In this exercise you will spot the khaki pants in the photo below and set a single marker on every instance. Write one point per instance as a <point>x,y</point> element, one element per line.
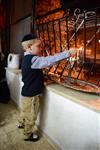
<point>29,112</point>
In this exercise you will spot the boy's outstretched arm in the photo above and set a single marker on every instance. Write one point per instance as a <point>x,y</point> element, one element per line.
<point>43,62</point>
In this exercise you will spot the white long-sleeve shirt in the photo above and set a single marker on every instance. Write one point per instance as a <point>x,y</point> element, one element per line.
<point>39,62</point>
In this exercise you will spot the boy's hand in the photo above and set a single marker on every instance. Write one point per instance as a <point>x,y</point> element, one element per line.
<point>73,52</point>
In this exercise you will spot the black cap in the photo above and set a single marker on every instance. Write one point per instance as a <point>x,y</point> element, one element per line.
<point>28,37</point>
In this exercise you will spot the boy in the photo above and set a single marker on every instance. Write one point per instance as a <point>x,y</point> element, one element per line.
<point>32,78</point>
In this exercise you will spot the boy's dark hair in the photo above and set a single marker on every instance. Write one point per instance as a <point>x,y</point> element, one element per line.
<point>28,37</point>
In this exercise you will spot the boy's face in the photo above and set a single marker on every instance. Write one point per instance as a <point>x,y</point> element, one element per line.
<point>36,47</point>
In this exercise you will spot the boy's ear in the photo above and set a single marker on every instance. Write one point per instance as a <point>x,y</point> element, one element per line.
<point>29,46</point>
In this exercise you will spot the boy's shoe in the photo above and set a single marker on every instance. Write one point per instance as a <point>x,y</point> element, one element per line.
<point>20,126</point>
<point>33,137</point>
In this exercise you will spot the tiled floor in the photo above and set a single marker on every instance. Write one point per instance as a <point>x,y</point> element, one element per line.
<point>11,138</point>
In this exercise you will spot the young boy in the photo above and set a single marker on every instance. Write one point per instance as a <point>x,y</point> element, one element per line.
<point>32,78</point>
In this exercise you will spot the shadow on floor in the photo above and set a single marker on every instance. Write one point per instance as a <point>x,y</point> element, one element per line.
<point>11,138</point>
